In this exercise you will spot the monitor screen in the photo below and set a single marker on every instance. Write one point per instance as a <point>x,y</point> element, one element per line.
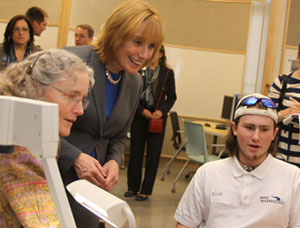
<point>229,105</point>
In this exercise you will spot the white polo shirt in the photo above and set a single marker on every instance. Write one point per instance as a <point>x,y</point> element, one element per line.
<point>222,194</point>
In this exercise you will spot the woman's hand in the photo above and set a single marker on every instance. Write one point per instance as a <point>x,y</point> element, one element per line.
<point>89,168</point>
<point>111,169</point>
<point>157,114</point>
<point>295,109</point>
<point>147,114</point>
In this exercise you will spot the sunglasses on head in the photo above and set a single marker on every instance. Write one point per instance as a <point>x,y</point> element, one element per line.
<point>250,101</point>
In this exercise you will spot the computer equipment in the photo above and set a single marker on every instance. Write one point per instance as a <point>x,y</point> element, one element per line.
<point>221,126</point>
<point>229,106</point>
<point>207,125</point>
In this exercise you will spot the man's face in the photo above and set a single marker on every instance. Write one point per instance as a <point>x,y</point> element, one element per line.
<point>82,37</point>
<point>39,27</point>
<point>254,136</point>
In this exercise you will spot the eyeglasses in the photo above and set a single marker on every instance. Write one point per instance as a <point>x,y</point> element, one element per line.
<point>81,36</point>
<point>21,29</point>
<point>73,99</point>
<point>250,101</point>
<point>30,67</point>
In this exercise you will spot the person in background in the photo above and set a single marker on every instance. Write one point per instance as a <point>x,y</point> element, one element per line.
<point>154,79</point>
<point>288,146</point>
<point>129,40</point>
<point>84,34</point>
<point>224,193</point>
<point>18,41</point>
<point>38,18</point>
<point>55,76</point>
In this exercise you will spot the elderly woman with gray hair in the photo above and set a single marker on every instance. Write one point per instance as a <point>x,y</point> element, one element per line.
<point>55,76</point>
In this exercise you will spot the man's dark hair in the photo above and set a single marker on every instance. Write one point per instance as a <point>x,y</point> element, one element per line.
<point>88,27</point>
<point>36,14</point>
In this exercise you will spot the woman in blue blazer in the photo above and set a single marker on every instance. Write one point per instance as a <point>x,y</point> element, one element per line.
<point>129,39</point>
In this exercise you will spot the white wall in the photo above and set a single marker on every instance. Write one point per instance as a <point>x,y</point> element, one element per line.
<point>290,54</point>
<point>203,78</point>
<point>48,38</point>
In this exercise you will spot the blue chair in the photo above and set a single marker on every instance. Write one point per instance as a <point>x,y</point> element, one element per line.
<point>196,149</point>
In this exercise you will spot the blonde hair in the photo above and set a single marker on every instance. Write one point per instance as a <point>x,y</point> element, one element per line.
<point>123,23</point>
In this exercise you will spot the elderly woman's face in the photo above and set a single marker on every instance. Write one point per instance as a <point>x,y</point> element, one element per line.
<point>133,54</point>
<point>68,94</point>
<point>21,34</point>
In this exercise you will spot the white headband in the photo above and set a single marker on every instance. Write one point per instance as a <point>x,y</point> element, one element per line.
<point>245,110</point>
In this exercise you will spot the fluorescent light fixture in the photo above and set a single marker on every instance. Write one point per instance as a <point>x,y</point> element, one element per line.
<point>106,206</point>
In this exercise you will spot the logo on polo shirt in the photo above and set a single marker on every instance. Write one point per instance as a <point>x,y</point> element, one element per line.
<point>216,193</point>
<point>271,199</point>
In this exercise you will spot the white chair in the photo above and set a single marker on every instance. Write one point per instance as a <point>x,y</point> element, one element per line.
<point>196,148</point>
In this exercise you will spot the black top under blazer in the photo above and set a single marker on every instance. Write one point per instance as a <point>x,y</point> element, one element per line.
<point>168,97</point>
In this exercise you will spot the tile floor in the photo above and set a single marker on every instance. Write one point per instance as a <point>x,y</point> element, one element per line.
<point>158,210</point>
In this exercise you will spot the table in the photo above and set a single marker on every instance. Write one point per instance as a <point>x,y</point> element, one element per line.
<point>211,130</point>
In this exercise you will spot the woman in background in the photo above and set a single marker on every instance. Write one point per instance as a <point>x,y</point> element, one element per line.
<point>154,79</point>
<point>18,41</point>
<point>55,76</point>
<point>128,41</point>
<point>288,145</point>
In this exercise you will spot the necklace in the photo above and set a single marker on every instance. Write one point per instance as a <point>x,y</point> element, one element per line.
<point>248,168</point>
<point>110,79</point>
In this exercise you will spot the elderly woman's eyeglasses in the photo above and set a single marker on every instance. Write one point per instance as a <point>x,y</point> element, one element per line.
<point>73,99</point>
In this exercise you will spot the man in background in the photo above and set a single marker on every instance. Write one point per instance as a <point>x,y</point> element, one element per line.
<point>38,18</point>
<point>84,34</point>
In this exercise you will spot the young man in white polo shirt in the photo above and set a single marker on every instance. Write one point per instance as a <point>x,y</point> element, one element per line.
<point>251,188</point>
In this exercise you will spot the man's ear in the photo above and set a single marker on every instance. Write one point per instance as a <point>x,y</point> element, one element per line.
<point>233,125</point>
<point>275,133</point>
<point>35,23</point>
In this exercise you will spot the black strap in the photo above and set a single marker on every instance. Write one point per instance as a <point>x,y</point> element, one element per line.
<point>282,94</point>
<point>162,89</point>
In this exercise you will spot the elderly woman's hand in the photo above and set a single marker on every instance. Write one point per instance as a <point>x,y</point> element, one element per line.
<point>90,169</point>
